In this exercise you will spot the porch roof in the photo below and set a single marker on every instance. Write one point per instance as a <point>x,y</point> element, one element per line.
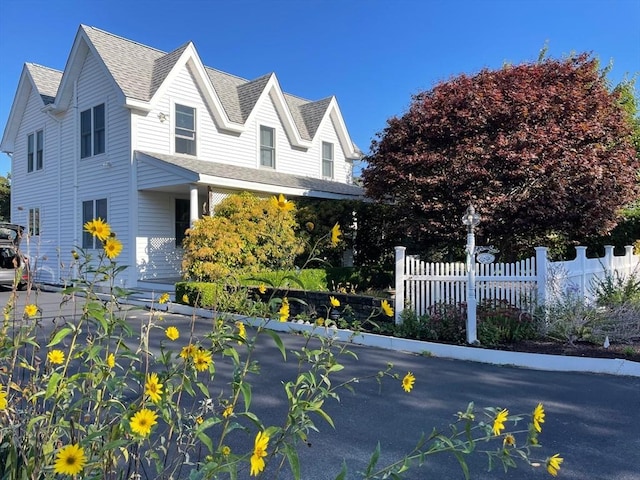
<point>181,170</point>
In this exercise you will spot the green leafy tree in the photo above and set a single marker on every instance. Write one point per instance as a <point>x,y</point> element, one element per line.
<point>543,150</point>
<point>5,198</point>
<point>246,234</point>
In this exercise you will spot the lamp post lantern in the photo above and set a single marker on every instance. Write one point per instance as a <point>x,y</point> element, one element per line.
<point>471,219</point>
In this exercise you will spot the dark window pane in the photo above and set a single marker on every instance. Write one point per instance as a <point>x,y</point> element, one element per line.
<point>101,209</point>
<point>98,129</point>
<point>85,134</point>
<point>87,216</point>
<point>30,153</point>
<point>39,150</point>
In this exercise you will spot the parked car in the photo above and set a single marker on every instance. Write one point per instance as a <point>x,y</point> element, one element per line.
<point>14,266</point>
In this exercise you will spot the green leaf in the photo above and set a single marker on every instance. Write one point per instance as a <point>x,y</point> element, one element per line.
<point>375,456</point>
<point>52,385</point>
<point>292,457</point>
<point>245,388</point>
<point>58,337</point>
<point>279,344</point>
<point>204,438</point>
<point>343,471</point>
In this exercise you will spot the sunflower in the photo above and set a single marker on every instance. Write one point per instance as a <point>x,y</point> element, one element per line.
<point>259,452</point>
<point>228,411</point>
<point>112,247</point>
<point>335,235</point>
<point>56,357</point>
<point>31,310</point>
<point>188,351</point>
<point>408,381</point>
<point>334,301</point>
<point>538,417</point>
<point>202,360</point>
<point>553,464</point>
<point>3,399</point>
<point>498,422</point>
<point>164,298</point>
<point>282,203</point>
<point>262,288</point>
<point>386,308</point>
<point>98,228</point>
<point>70,460</point>
<point>153,388</point>
<point>283,313</point>
<point>242,332</point>
<point>142,422</point>
<point>111,360</point>
<point>172,333</point>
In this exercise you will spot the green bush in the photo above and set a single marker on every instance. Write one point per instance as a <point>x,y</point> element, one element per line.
<point>500,322</point>
<point>220,297</point>
<point>362,278</point>
<point>314,279</point>
<point>443,323</point>
<point>246,234</point>
<point>614,289</point>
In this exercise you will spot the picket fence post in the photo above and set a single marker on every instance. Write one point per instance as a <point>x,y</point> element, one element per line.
<point>400,268</point>
<point>541,274</point>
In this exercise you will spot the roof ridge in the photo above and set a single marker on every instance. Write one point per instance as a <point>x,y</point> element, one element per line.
<point>227,73</point>
<point>123,38</point>
<point>44,66</point>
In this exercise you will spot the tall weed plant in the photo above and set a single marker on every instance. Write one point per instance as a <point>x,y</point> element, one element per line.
<point>94,397</point>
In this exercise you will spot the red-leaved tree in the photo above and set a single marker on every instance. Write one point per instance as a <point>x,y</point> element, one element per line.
<point>542,150</point>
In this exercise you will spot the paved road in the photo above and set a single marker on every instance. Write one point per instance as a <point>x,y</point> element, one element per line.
<point>592,420</point>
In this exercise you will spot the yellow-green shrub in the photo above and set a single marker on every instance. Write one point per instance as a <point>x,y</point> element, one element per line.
<point>246,234</point>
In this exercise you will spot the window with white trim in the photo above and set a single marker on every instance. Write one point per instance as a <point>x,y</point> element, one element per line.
<point>327,160</point>
<point>92,131</point>
<point>92,209</point>
<point>267,147</point>
<point>34,221</point>
<point>185,130</point>
<point>35,151</point>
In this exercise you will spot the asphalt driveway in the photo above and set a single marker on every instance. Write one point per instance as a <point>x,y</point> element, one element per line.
<point>593,420</point>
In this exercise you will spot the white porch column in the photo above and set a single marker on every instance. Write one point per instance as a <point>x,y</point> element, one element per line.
<point>193,205</point>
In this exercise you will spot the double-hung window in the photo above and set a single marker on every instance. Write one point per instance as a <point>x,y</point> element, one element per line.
<point>185,130</point>
<point>267,147</point>
<point>327,160</point>
<point>92,209</point>
<point>34,221</point>
<point>92,131</point>
<point>35,151</point>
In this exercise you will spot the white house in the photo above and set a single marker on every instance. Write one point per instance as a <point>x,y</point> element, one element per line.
<point>150,141</point>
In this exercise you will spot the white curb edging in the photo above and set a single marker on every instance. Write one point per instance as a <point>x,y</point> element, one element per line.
<point>536,361</point>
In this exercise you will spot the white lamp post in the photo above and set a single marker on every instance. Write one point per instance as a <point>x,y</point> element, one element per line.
<point>471,219</point>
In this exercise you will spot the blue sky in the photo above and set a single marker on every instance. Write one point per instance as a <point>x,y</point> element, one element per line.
<point>372,54</point>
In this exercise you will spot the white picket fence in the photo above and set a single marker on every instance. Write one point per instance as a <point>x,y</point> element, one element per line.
<point>523,284</point>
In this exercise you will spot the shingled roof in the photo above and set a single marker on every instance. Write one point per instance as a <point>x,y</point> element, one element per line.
<point>140,70</point>
<point>256,176</point>
<point>46,80</point>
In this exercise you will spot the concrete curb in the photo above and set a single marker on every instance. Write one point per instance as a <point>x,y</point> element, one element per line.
<point>535,361</point>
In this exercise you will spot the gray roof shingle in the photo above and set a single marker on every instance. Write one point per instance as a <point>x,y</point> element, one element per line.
<point>139,70</point>
<point>46,80</point>
<point>267,177</point>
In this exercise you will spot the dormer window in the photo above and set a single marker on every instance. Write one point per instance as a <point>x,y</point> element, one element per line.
<point>185,130</point>
<point>267,147</point>
<point>327,160</point>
